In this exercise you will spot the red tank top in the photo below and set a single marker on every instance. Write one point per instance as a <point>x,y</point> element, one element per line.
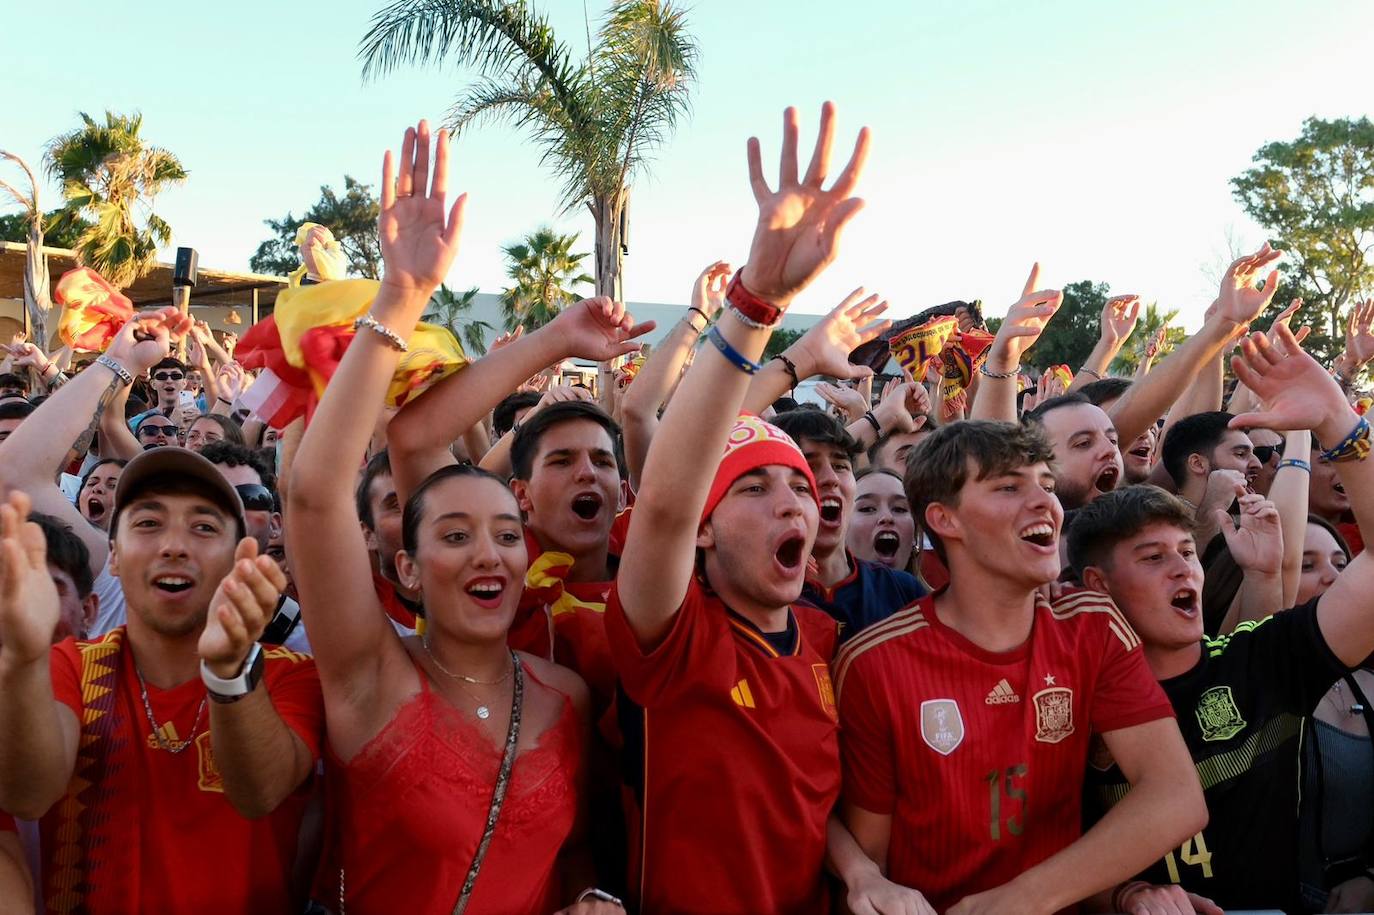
<point>409,810</point>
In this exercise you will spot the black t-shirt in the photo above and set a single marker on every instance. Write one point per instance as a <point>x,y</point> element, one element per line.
<point>1241,711</point>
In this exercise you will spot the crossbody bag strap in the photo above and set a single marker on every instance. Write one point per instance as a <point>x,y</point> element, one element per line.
<point>498,796</point>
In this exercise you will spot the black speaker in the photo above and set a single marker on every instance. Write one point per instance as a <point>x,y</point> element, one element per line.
<point>185,272</point>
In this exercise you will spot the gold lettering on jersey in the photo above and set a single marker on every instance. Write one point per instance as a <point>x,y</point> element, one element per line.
<point>1218,715</point>
<point>209,777</point>
<point>826,689</point>
<point>1053,714</point>
<point>942,727</point>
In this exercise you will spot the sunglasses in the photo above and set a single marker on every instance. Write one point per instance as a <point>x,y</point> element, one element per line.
<point>256,497</point>
<point>1264,452</point>
<point>168,376</point>
<point>148,430</point>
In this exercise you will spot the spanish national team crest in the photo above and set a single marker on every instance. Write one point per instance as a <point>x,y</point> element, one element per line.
<point>1053,714</point>
<point>942,728</point>
<point>1217,714</point>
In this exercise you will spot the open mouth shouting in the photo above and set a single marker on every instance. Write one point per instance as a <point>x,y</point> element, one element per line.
<point>886,544</point>
<point>1107,478</point>
<point>1187,602</point>
<point>587,505</point>
<point>487,591</point>
<point>1040,535</point>
<point>831,510</point>
<point>790,555</point>
<point>172,584</point>
<point>95,510</point>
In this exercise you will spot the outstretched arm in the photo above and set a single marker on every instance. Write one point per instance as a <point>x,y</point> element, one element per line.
<point>795,239</point>
<point>356,650</point>
<point>1295,392</point>
<point>643,399</point>
<point>419,436</point>
<point>1022,326</point>
<point>1239,303</point>
<point>38,734</point>
<point>60,431</point>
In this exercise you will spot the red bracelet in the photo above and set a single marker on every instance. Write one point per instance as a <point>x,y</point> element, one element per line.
<point>753,308</point>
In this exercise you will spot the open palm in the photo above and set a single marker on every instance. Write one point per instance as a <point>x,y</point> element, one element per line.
<point>1240,300</point>
<point>600,329</point>
<point>825,348</point>
<point>1294,391</point>
<point>419,238</point>
<point>1024,323</point>
<point>799,223</point>
<point>29,608</point>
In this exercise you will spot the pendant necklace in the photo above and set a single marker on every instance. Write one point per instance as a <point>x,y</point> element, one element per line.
<point>483,712</point>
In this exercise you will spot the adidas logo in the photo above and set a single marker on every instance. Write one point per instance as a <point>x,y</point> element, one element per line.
<point>1002,694</point>
<point>742,695</point>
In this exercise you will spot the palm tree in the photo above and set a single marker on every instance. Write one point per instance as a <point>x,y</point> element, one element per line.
<point>111,176</point>
<point>1145,329</point>
<point>542,267</point>
<point>596,121</point>
<point>448,308</point>
<point>37,298</point>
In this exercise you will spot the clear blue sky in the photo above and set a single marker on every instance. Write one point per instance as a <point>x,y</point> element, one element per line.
<point>1095,137</point>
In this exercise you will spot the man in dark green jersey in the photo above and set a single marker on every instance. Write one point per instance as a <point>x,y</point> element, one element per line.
<point>1240,699</point>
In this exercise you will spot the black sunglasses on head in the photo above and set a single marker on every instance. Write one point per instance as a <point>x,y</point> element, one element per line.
<point>148,430</point>
<point>168,376</point>
<point>256,497</point>
<point>1264,452</point>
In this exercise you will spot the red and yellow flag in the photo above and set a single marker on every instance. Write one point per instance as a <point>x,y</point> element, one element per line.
<point>93,311</point>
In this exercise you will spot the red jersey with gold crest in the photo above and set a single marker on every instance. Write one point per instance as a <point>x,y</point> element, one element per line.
<point>732,756</point>
<point>979,756</point>
<point>141,829</point>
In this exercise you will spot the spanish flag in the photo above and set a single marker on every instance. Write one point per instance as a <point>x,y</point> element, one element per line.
<point>93,311</point>
<point>301,345</point>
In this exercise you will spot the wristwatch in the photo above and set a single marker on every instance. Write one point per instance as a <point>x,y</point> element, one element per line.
<point>227,691</point>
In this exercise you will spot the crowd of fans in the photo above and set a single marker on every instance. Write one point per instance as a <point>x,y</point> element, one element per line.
<point>1029,644</point>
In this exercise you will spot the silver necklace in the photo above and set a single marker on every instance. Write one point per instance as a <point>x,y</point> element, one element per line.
<point>171,746</point>
<point>483,711</point>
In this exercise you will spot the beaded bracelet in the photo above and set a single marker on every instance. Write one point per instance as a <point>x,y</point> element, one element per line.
<point>393,339</point>
<point>737,359</point>
<point>1354,447</point>
<point>1294,462</point>
<point>984,370</point>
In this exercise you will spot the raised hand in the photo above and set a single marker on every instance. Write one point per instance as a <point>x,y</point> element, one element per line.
<point>1257,545</point>
<point>240,610</point>
<point>1118,318</point>
<point>232,381</point>
<point>1294,391</point>
<point>1156,342</point>
<point>599,329</point>
<point>506,339</point>
<point>28,355</point>
<point>1359,335</point>
<point>708,292</point>
<point>847,400</point>
<point>1240,301</point>
<point>902,406</point>
<point>147,338</point>
<point>1024,323</point>
<point>800,223</point>
<point>419,239</point>
<point>29,607</point>
<point>825,348</point>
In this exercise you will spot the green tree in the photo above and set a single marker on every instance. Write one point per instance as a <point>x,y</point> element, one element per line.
<point>1151,320</point>
<point>28,228</point>
<point>1315,194</point>
<point>597,121</point>
<point>352,217</point>
<point>453,310</point>
<point>542,267</point>
<point>15,227</point>
<point>110,177</point>
<point>1073,331</point>
<point>782,338</point>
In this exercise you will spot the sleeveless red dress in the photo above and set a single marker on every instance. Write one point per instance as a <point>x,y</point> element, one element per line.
<point>409,810</point>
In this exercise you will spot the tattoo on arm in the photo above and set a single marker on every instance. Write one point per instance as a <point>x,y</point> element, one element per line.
<point>83,441</point>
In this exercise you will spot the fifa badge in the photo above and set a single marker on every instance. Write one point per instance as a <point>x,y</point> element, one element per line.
<point>942,728</point>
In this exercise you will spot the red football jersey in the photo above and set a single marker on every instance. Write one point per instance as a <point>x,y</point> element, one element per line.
<point>733,747</point>
<point>144,830</point>
<point>979,756</point>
